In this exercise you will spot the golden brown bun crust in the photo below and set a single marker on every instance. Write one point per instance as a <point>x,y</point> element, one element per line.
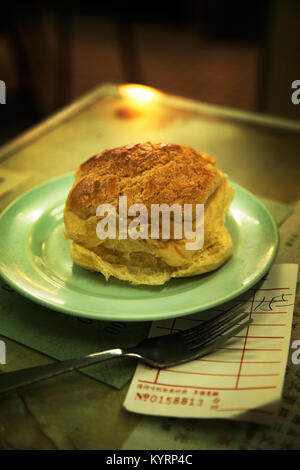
<point>146,173</point>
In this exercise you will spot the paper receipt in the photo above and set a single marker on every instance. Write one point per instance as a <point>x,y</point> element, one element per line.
<point>242,379</point>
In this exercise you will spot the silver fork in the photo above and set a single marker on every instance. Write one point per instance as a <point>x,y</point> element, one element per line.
<point>162,351</point>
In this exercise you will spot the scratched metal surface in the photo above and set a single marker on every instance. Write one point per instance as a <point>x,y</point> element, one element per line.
<point>261,153</point>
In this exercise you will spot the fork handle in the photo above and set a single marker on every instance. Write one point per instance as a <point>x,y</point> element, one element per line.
<point>16,379</point>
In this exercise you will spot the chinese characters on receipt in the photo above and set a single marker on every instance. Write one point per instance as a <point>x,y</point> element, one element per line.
<point>243,379</point>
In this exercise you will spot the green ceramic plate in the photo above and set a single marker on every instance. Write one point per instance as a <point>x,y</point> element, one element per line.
<point>35,260</point>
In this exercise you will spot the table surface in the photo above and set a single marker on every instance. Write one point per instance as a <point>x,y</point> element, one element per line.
<point>258,152</point>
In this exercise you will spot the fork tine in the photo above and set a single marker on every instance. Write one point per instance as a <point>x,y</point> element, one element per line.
<point>213,323</point>
<point>210,346</point>
<point>203,340</point>
<point>228,311</point>
<point>219,328</point>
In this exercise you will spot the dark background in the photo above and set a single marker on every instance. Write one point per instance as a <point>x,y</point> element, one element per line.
<point>242,54</point>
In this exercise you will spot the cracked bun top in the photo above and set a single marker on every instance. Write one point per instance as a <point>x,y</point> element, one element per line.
<point>146,173</point>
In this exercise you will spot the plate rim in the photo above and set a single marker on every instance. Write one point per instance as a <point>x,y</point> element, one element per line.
<point>153,317</point>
